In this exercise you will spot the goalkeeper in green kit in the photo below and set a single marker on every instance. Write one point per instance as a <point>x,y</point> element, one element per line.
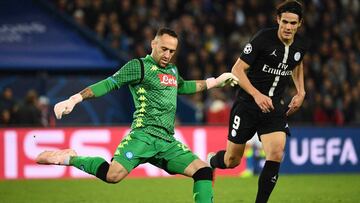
<point>154,84</point>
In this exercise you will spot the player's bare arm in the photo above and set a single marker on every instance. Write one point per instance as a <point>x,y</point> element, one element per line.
<point>263,101</point>
<point>297,100</point>
<point>298,78</point>
<point>87,93</point>
<point>200,85</point>
<point>221,81</point>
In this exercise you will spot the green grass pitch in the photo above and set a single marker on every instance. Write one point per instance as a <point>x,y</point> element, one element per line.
<point>337,188</point>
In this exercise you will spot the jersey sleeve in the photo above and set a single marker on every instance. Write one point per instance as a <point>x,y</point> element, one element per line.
<point>103,87</point>
<point>186,86</point>
<point>130,73</point>
<point>252,49</point>
<point>180,81</point>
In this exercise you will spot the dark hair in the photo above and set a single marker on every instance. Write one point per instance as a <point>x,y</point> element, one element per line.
<point>291,6</point>
<point>168,31</point>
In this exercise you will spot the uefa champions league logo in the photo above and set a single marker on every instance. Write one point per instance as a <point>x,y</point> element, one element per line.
<point>248,48</point>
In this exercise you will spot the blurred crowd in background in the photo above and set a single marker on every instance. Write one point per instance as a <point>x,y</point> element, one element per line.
<point>33,110</point>
<point>212,35</point>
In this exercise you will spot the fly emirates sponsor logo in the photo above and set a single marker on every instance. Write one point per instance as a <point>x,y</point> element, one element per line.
<point>280,70</point>
<point>168,80</point>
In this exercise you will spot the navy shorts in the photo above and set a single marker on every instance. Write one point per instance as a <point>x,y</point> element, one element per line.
<point>246,119</point>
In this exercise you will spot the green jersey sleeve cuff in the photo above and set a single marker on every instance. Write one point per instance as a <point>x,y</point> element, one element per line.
<point>188,87</point>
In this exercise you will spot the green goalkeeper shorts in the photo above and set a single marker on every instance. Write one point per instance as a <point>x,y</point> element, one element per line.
<point>139,147</point>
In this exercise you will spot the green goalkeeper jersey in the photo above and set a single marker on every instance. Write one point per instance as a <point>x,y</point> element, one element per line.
<point>154,94</point>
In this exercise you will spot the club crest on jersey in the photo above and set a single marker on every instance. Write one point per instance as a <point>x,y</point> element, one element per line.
<point>168,80</point>
<point>129,155</point>
<point>297,56</point>
<point>247,48</point>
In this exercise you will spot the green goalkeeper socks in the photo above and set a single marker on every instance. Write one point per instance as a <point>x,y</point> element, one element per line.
<point>203,191</point>
<point>88,164</point>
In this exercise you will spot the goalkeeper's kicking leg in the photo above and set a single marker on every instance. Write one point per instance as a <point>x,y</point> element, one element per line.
<point>97,166</point>
<point>174,158</point>
<point>115,172</point>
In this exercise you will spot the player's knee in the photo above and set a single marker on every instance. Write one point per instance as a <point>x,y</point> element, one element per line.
<point>204,173</point>
<point>232,161</point>
<point>107,175</point>
<point>275,155</point>
<point>115,177</point>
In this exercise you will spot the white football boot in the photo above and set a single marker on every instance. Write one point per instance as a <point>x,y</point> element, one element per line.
<point>60,157</point>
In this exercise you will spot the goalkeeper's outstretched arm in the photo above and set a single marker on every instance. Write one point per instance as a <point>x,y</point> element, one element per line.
<point>192,86</point>
<point>96,90</point>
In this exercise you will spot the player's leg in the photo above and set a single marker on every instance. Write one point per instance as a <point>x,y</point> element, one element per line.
<point>176,158</point>
<point>97,166</point>
<point>68,157</point>
<point>274,145</point>
<point>127,156</point>
<point>203,176</point>
<point>241,129</point>
<point>229,158</point>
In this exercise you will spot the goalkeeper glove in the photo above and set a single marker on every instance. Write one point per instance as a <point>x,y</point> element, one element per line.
<point>66,106</point>
<point>221,81</point>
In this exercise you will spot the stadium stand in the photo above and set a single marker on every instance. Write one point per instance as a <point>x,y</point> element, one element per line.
<point>212,35</point>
